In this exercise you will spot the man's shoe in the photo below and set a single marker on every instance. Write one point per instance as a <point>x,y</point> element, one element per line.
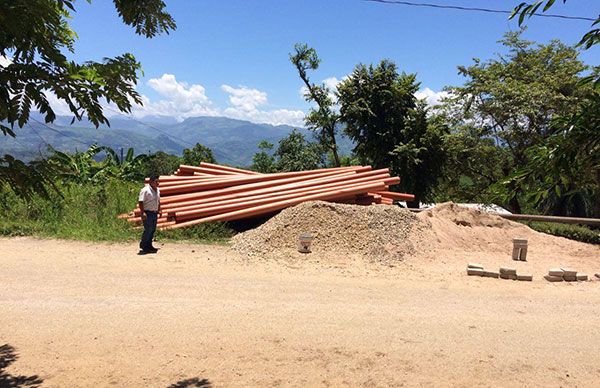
<point>154,248</point>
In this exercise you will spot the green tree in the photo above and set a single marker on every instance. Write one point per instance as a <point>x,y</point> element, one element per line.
<point>324,119</point>
<point>160,163</point>
<point>563,174</point>
<point>390,127</point>
<point>35,36</point>
<point>295,153</point>
<point>197,154</point>
<point>513,99</point>
<point>263,161</point>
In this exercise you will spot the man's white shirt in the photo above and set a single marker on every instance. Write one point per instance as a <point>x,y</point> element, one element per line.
<point>150,198</point>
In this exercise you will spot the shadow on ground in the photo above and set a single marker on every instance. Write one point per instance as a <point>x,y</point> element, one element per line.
<point>8,355</point>
<point>193,382</point>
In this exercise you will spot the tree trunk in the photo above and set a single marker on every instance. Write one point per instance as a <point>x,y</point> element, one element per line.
<point>333,147</point>
<point>514,205</point>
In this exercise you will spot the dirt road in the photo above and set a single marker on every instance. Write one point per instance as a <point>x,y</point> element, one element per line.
<point>80,314</point>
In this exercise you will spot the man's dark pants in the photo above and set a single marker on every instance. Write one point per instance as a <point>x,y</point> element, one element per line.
<point>149,229</point>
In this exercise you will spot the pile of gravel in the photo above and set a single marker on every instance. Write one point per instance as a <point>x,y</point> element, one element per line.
<point>378,233</point>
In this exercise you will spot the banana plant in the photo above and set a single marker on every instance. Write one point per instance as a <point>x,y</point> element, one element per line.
<point>128,168</point>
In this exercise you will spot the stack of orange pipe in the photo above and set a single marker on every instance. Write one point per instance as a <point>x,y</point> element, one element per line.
<point>211,192</point>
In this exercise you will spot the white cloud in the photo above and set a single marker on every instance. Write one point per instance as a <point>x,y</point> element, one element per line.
<point>432,98</point>
<point>244,106</point>
<point>332,82</point>
<point>181,100</point>
<point>245,99</point>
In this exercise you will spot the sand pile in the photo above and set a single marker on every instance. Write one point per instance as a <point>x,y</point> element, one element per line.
<point>384,233</point>
<point>375,232</point>
<point>450,226</point>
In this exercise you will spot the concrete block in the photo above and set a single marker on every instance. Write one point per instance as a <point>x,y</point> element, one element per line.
<point>508,271</point>
<point>582,277</point>
<point>551,278</point>
<point>525,277</point>
<point>570,278</point>
<point>508,276</point>
<point>491,274</point>
<point>556,272</point>
<point>475,265</point>
<point>568,271</point>
<point>475,271</point>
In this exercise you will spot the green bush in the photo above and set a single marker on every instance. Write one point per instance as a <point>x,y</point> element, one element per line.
<point>88,212</point>
<point>572,232</point>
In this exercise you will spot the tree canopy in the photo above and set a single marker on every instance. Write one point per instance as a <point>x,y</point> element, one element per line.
<point>198,153</point>
<point>390,127</point>
<point>509,123</point>
<point>323,119</point>
<point>35,36</point>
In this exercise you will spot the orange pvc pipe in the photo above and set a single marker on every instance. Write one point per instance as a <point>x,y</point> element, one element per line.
<point>220,208</point>
<point>216,178</point>
<point>243,184</point>
<point>271,207</point>
<point>206,170</point>
<point>274,180</point>
<point>221,194</point>
<point>398,196</point>
<point>192,198</point>
<point>227,168</point>
<point>245,196</point>
<point>168,205</point>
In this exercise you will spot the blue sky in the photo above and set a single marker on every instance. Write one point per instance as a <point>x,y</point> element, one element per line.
<point>230,57</point>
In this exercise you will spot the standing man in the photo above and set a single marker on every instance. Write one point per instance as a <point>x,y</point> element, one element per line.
<point>149,203</point>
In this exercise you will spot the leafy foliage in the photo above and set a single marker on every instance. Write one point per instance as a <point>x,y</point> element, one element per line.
<point>26,179</point>
<point>527,10</point>
<point>128,168</point>
<point>160,163</point>
<point>197,154</point>
<point>589,39</point>
<point>512,100</point>
<point>563,173</point>
<point>295,153</point>
<point>35,35</point>
<point>324,119</point>
<point>390,127</point>
<point>88,211</point>
<point>573,232</point>
<point>86,166</point>
<point>263,161</point>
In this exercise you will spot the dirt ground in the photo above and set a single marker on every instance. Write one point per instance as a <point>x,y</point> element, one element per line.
<point>76,314</point>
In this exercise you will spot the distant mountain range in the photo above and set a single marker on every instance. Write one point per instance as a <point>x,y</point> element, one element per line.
<point>233,142</point>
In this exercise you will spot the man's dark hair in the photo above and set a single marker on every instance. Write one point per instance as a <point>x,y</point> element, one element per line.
<point>154,177</point>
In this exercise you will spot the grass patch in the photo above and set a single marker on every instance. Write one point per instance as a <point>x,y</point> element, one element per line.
<point>89,212</point>
<point>572,232</point>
